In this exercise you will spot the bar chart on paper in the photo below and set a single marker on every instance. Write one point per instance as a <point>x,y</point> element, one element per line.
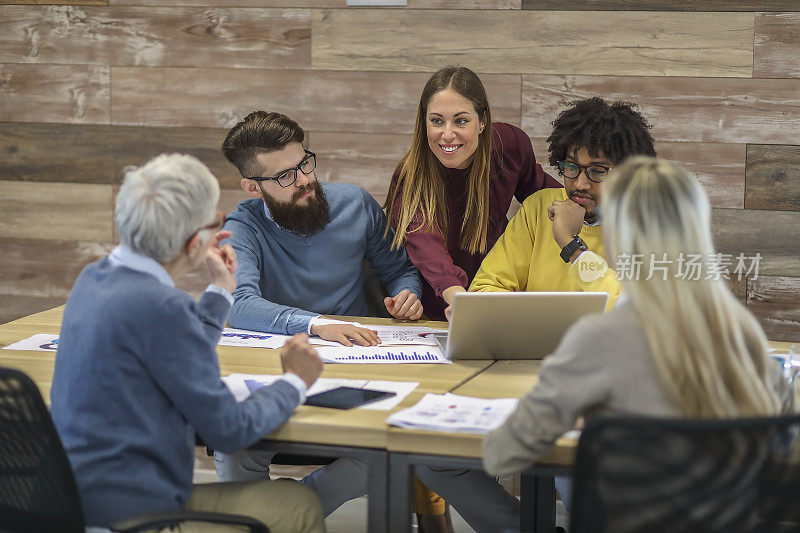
<point>382,354</point>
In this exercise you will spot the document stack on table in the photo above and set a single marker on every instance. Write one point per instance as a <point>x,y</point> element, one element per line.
<point>241,385</point>
<point>454,413</point>
<point>399,345</point>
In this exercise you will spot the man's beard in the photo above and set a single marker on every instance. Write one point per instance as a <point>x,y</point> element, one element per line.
<point>305,220</point>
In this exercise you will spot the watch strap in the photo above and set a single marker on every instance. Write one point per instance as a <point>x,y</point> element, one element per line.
<point>573,246</point>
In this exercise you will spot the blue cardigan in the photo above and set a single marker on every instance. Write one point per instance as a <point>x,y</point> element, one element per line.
<point>136,375</point>
<point>284,279</point>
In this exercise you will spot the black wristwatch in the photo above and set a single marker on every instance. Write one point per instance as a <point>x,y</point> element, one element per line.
<point>573,246</point>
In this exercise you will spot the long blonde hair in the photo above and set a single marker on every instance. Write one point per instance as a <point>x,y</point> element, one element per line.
<point>710,352</point>
<point>420,176</point>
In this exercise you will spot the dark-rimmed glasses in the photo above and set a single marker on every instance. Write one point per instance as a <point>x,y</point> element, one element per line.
<point>288,177</point>
<point>595,173</point>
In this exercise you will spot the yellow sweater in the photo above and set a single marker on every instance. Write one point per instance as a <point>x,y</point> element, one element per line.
<point>526,257</point>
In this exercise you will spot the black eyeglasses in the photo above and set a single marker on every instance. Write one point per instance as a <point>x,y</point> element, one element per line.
<point>288,177</point>
<point>595,173</point>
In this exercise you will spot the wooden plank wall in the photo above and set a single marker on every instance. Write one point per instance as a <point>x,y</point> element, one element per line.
<point>89,86</point>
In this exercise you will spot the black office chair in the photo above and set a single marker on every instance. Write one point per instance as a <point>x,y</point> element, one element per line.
<point>38,493</point>
<point>649,475</point>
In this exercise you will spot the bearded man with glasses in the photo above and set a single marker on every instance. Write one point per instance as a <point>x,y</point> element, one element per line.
<point>301,244</point>
<point>555,241</point>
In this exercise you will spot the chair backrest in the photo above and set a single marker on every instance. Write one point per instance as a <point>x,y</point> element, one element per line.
<point>38,492</point>
<point>637,475</point>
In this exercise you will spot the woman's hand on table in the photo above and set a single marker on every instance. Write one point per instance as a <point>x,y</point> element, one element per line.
<point>448,294</point>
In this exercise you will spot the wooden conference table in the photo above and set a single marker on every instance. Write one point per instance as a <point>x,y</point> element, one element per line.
<point>390,452</point>
<point>363,434</point>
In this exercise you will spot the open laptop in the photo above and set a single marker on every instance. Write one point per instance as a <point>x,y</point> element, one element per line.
<point>515,325</point>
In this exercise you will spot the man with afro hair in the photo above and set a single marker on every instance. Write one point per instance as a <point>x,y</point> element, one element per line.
<point>555,241</point>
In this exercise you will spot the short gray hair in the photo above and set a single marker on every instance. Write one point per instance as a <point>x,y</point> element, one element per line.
<point>163,203</point>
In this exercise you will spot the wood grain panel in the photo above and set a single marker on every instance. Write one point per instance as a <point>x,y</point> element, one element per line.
<point>55,211</point>
<point>626,43</point>
<point>773,177</point>
<point>318,100</point>
<point>96,153</point>
<point>174,36</point>
<point>774,301</point>
<point>735,111</point>
<point>237,3</point>
<point>54,93</point>
<point>719,167</point>
<point>14,307</point>
<point>56,2</point>
<point>413,4</point>
<point>468,4</point>
<point>44,269</point>
<point>230,198</point>
<point>777,45</point>
<point>663,5</point>
<point>738,286</point>
<point>769,233</point>
<point>367,160</point>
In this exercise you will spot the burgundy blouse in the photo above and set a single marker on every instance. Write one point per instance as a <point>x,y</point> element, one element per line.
<point>514,172</point>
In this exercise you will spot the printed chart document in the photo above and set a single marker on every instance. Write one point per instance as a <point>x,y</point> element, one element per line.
<point>394,335</point>
<point>389,335</point>
<point>382,354</point>
<point>41,342</point>
<point>251,339</point>
<point>242,384</point>
<point>454,413</point>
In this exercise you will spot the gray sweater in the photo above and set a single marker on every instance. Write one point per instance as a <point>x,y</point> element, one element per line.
<point>602,366</point>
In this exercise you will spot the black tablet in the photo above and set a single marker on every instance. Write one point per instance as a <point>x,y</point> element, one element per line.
<point>346,397</point>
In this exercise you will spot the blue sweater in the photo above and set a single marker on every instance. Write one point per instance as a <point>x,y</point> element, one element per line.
<point>284,279</point>
<point>136,375</point>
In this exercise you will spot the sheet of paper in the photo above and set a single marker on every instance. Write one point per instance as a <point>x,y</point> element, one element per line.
<point>241,384</point>
<point>454,413</point>
<point>251,339</point>
<point>399,335</point>
<point>41,342</point>
<point>394,335</point>
<point>382,354</point>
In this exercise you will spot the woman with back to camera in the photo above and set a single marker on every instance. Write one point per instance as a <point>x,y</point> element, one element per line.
<point>672,347</point>
<point>450,194</point>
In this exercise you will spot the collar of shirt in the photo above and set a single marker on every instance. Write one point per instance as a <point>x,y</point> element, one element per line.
<point>125,257</point>
<point>266,211</point>
<point>595,223</point>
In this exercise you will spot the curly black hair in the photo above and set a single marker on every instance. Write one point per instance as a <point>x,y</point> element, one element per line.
<point>616,129</point>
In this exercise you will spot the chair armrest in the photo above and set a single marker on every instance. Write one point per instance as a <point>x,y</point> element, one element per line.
<point>149,521</point>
